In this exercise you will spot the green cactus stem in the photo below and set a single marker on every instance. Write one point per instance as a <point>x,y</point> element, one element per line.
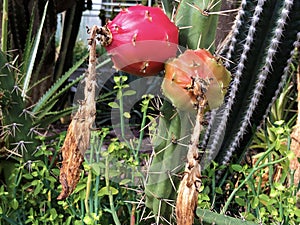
<point>167,160</point>
<point>259,60</point>
<point>16,120</point>
<point>198,29</point>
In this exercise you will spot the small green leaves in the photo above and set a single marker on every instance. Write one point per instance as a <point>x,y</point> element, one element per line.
<point>126,115</point>
<point>240,201</point>
<point>114,105</point>
<point>237,168</point>
<point>107,191</point>
<point>14,204</point>
<point>129,93</point>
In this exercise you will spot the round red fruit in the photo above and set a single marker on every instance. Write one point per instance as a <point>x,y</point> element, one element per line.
<point>140,39</point>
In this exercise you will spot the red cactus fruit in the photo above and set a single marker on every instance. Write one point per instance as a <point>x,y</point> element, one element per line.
<point>190,67</point>
<point>140,39</point>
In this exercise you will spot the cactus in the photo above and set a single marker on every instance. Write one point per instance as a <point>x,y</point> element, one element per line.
<point>258,53</point>
<point>133,37</point>
<point>170,150</point>
<point>259,60</point>
<point>15,131</point>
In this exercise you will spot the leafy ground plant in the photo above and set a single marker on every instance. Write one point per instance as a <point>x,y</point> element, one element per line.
<point>110,186</point>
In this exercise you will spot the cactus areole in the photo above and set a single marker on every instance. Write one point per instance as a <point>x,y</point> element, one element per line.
<point>140,39</point>
<point>192,70</point>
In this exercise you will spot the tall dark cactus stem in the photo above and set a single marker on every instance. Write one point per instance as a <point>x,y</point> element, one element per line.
<point>259,60</point>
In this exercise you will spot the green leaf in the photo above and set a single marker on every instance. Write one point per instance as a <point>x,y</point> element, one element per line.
<point>264,199</point>
<point>88,220</point>
<point>105,191</point>
<point>129,92</point>
<point>33,54</point>
<point>78,222</point>
<point>53,214</point>
<point>114,105</point>
<point>297,212</point>
<point>80,187</point>
<point>241,193</point>
<point>237,168</point>
<point>126,115</point>
<point>274,193</point>
<point>114,173</point>
<point>34,173</point>
<point>96,168</point>
<point>219,190</point>
<point>209,217</point>
<point>254,202</point>
<point>124,181</point>
<point>240,201</point>
<point>27,176</point>
<point>14,204</point>
<point>58,84</point>
<point>38,188</point>
<point>117,79</point>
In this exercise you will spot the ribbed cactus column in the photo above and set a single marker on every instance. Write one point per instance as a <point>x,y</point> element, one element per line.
<point>259,55</point>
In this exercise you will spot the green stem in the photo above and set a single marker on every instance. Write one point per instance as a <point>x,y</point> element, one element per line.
<point>255,168</point>
<point>97,180</point>
<point>121,114</point>
<point>96,195</point>
<point>110,196</point>
<point>4,26</point>
<point>82,211</point>
<point>142,126</point>
<point>88,191</point>
<point>98,150</point>
<point>142,130</point>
